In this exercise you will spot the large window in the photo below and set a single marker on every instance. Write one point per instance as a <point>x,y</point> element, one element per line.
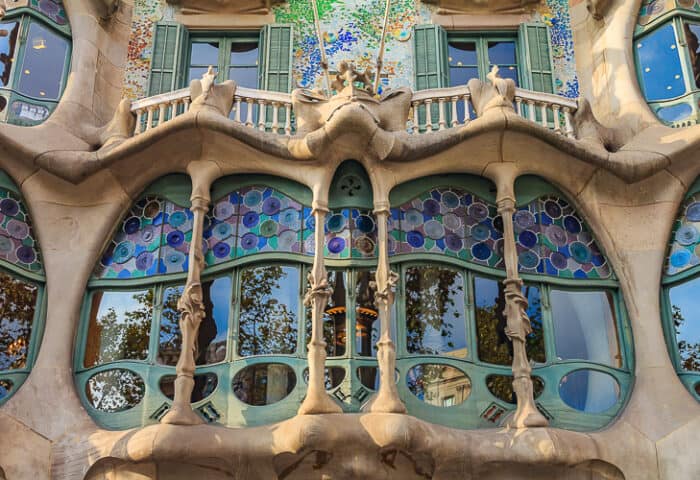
<point>474,56</point>
<point>667,52</point>
<point>680,293</point>
<point>235,57</point>
<point>21,291</point>
<point>35,52</point>
<point>454,354</point>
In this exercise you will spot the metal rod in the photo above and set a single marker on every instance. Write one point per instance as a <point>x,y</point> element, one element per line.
<point>324,60</point>
<point>380,55</point>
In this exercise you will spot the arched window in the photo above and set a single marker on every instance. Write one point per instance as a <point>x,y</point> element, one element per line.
<point>35,52</point>
<point>453,351</point>
<point>681,285</point>
<point>21,290</point>
<point>249,351</point>
<point>667,52</point>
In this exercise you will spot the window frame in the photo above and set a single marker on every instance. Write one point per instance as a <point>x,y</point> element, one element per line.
<point>224,39</point>
<point>482,39</point>
<point>25,16</point>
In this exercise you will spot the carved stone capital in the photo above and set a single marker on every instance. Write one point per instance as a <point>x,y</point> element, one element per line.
<point>598,8</point>
<point>518,323</point>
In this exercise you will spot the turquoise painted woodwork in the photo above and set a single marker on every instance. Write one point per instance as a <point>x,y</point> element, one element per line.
<point>21,102</point>
<point>20,263</point>
<point>352,374</point>
<point>679,282</point>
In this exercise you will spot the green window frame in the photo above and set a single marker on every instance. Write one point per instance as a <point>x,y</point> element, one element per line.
<point>481,40</point>
<point>12,379</point>
<point>482,409</point>
<point>225,42</point>
<point>672,315</point>
<point>19,108</point>
<point>680,110</point>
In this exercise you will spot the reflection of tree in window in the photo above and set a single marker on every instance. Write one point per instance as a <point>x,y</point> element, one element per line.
<point>120,325</point>
<point>114,390</point>
<point>366,320</point>
<point>494,346</point>
<point>268,310</point>
<point>688,351</point>
<point>17,305</point>
<point>8,42</point>
<point>435,320</point>
<point>211,336</point>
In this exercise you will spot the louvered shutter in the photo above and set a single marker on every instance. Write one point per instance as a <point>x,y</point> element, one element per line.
<point>276,58</point>
<point>431,65</point>
<point>537,74</point>
<point>169,47</point>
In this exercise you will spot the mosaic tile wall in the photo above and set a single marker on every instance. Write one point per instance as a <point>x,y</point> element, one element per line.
<point>352,30</point>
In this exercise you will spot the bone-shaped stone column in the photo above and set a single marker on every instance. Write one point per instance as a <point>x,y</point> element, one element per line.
<point>191,304</point>
<point>317,400</point>
<point>518,323</point>
<point>387,399</point>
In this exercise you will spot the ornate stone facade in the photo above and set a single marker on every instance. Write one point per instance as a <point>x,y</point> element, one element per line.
<point>625,173</point>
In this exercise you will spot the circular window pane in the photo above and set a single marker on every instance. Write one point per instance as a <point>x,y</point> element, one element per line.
<point>204,385</point>
<point>6,387</point>
<point>438,385</point>
<point>334,376</point>
<point>115,390</point>
<point>589,391</point>
<point>501,386</point>
<point>369,377</point>
<point>264,383</point>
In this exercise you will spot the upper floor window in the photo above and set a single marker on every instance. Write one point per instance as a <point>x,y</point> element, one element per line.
<point>445,59</point>
<point>253,59</point>
<point>35,53</point>
<point>21,290</point>
<point>667,53</point>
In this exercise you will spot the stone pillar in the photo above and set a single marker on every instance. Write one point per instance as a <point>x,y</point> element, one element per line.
<point>317,400</point>
<point>387,399</point>
<point>191,304</point>
<point>518,323</point>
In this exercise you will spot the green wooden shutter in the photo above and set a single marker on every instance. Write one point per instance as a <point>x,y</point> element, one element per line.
<point>430,53</point>
<point>537,62</point>
<point>167,66</point>
<point>275,69</point>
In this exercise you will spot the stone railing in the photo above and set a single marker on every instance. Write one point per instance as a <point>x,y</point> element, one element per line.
<point>432,110</point>
<point>442,108</point>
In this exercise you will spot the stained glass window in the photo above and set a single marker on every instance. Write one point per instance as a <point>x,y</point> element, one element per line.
<point>448,221</point>
<point>684,252</point>
<point>552,239</point>
<point>18,245</point>
<point>153,239</point>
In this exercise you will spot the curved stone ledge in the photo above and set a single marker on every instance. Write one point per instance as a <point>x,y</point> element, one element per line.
<point>346,446</point>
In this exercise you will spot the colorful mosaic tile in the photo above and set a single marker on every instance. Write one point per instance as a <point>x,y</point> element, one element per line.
<point>450,222</point>
<point>18,244</point>
<point>351,30</point>
<point>685,240</point>
<point>153,239</point>
<point>552,239</point>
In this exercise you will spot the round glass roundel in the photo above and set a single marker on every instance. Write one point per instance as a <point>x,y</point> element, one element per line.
<point>264,383</point>
<point>114,390</point>
<point>589,391</point>
<point>501,387</point>
<point>439,385</point>
<point>204,385</point>
<point>334,376</point>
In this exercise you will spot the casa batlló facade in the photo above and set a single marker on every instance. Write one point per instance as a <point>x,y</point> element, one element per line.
<point>335,239</point>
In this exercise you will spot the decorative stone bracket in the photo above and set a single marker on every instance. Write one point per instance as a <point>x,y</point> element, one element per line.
<point>485,7</point>
<point>212,97</point>
<point>598,8</point>
<point>224,6</point>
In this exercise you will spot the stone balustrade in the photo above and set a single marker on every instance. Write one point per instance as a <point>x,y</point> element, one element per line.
<point>432,110</point>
